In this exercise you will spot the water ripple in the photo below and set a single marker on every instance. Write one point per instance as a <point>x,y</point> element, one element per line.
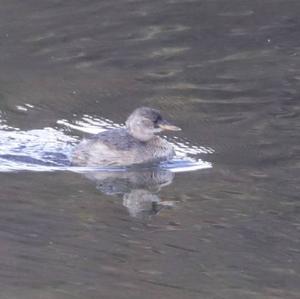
<point>50,149</point>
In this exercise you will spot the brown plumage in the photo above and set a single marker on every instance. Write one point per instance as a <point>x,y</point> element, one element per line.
<point>135,144</point>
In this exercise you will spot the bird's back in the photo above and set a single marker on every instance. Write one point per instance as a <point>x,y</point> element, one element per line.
<point>117,139</point>
<point>118,147</point>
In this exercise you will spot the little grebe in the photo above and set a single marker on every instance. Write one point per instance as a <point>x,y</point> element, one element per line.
<point>134,144</point>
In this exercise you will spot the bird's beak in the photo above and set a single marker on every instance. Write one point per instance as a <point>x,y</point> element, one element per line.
<point>164,125</point>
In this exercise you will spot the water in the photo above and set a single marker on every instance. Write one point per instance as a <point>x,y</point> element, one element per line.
<point>221,220</point>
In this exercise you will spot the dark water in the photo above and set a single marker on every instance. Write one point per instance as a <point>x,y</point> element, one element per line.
<point>227,72</point>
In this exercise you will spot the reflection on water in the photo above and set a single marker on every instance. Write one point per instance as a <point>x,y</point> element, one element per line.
<point>49,149</point>
<point>227,72</point>
<point>138,188</point>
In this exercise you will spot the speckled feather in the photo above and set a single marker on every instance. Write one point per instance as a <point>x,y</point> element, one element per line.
<point>135,144</point>
<point>117,147</point>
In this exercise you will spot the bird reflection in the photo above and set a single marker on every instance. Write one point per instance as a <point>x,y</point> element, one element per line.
<point>138,188</point>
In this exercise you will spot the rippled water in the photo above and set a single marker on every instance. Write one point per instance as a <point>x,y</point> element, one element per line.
<point>50,149</point>
<point>221,220</point>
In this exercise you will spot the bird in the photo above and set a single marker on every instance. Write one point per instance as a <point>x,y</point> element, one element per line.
<point>136,143</point>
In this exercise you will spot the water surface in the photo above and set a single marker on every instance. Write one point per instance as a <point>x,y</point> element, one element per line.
<point>227,73</point>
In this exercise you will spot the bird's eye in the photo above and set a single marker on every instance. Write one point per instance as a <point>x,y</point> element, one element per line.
<point>158,119</point>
